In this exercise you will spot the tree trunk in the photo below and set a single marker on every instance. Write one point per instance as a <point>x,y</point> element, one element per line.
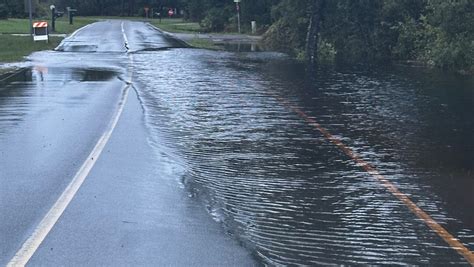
<point>313,31</point>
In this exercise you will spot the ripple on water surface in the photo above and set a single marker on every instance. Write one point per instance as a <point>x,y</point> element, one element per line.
<point>273,181</point>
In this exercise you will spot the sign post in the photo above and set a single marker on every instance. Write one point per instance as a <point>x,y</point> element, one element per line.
<point>30,12</point>
<point>71,12</point>
<point>146,11</point>
<point>237,6</point>
<point>53,17</point>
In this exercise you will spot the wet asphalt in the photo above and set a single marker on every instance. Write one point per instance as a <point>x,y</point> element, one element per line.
<point>128,211</point>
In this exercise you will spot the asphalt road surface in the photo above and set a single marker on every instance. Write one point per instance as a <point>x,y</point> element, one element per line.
<point>52,116</point>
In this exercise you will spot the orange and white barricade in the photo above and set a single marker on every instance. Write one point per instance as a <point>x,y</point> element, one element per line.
<point>40,31</point>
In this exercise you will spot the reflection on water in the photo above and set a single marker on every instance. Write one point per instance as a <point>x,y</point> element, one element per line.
<point>32,89</point>
<point>239,47</point>
<point>287,193</point>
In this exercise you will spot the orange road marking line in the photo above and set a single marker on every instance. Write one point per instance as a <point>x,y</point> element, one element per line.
<point>392,188</point>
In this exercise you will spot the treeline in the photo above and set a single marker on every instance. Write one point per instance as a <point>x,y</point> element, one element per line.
<point>432,32</point>
<point>16,8</point>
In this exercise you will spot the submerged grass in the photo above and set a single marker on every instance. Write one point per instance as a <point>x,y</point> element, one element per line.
<point>204,43</point>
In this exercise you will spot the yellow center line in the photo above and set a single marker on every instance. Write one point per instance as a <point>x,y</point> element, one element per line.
<point>392,188</point>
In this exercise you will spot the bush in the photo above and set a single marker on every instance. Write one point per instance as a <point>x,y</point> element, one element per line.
<point>215,20</point>
<point>282,37</point>
<point>453,53</point>
<point>288,33</point>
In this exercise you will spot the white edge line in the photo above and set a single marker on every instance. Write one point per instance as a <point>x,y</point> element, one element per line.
<point>125,38</point>
<point>30,246</point>
<point>169,34</point>
<point>74,34</point>
<point>78,30</point>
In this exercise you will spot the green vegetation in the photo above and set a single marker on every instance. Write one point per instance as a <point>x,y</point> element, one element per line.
<point>14,48</point>
<point>204,43</point>
<point>177,25</point>
<point>14,26</point>
<point>63,26</point>
<point>9,26</point>
<point>432,32</point>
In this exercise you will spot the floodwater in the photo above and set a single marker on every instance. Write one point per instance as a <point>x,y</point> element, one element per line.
<point>285,192</point>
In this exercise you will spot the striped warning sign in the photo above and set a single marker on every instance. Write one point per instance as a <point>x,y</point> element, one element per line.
<point>40,24</point>
<point>40,31</point>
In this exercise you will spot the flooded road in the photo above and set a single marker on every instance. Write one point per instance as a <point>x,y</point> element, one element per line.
<point>280,187</point>
<point>231,158</point>
<point>80,184</point>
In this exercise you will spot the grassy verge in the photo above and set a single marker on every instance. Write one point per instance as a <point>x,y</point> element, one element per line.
<point>177,25</point>
<point>62,25</point>
<point>204,43</point>
<point>10,26</point>
<point>14,48</point>
<point>181,26</point>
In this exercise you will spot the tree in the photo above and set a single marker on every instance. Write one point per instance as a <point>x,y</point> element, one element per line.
<point>313,30</point>
<point>3,11</point>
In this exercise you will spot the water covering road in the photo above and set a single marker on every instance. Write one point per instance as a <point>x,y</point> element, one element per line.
<point>286,191</point>
<point>219,125</point>
<point>127,212</point>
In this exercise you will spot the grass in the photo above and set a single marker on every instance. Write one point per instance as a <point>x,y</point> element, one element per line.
<point>14,48</point>
<point>204,43</point>
<point>62,25</point>
<point>177,25</point>
<point>14,26</point>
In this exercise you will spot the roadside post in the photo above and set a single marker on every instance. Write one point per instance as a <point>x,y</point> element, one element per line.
<point>237,6</point>
<point>30,14</point>
<point>146,11</point>
<point>40,31</point>
<point>159,16</point>
<point>254,27</point>
<point>70,13</point>
<point>54,16</point>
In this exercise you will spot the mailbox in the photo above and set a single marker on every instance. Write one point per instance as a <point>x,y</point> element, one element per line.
<point>71,12</point>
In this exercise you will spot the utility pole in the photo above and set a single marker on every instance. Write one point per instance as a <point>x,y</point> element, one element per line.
<point>30,11</point>
<point>237,5</point>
